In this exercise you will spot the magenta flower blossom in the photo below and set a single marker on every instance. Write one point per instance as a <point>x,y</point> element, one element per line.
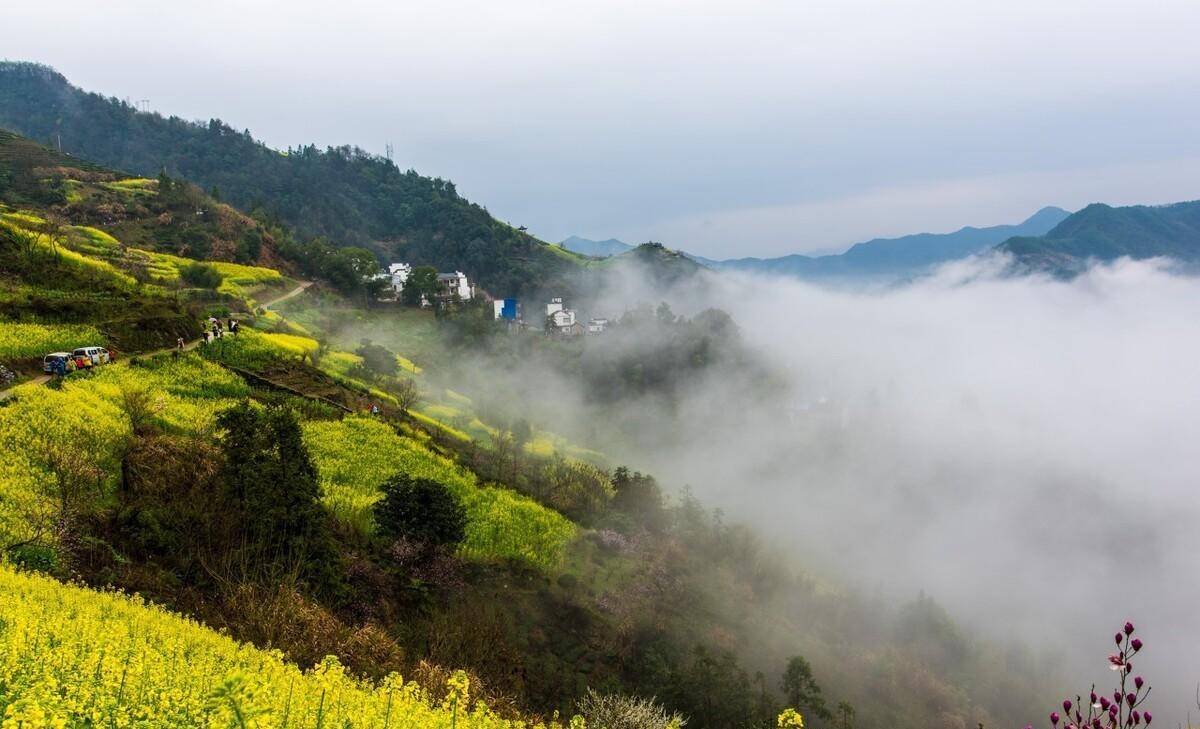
<point>1136,643</point>
<point>1128,628</point>
<point>1147,717</point>
<point>1137,681</point>
<point>1118,638</point>
<point>1054,718</point>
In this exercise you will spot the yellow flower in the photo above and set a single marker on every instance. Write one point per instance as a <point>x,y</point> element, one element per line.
<point>790,718</point>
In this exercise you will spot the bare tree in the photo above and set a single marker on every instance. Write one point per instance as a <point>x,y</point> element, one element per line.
<point>406,394</point>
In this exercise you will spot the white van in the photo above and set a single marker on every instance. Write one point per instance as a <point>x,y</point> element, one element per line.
<point>91,356</point>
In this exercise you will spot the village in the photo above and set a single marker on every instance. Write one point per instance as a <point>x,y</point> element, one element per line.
<point>558,319</point>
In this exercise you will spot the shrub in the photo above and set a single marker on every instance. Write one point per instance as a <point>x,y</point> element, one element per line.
<point>625,712</point>
<point>201,275</point>
<point>421,510</point>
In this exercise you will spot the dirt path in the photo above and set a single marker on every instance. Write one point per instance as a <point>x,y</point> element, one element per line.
<point>43,379</point>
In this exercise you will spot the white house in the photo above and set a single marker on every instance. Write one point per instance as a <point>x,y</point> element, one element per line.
<point>455,284</point>
<point>399,275</point>
<point>395,276</point>
<point>597,326</point>
<point>561,319</point>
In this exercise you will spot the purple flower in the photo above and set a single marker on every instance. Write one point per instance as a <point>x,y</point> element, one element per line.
<point>1117,698</point>
<point>1118,638</point>
<point>1128,628</point>
<point>1147,717</point>
<point>1067,706</point>
<point>1054,718</point>
<point>1137,681</point>
<point>1136,643</point>
<point>1104,703</point>
<point>1130,699</point>
<point>1135,716</point>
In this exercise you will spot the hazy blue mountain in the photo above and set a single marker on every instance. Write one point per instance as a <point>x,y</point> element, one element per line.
<point>884,257</point>
<point>1103,233</point>
<point>597,248</point>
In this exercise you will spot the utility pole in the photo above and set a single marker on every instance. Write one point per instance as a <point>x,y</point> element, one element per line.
<point>388,152</point>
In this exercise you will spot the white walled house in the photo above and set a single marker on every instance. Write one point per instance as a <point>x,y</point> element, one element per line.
<point>394,277</point>
<point>398,272</point>
<point>455,284</point>
<point>563,318</point>
<point>597,326</point>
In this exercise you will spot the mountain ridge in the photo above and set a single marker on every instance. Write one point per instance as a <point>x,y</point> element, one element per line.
<point>876,257</point>
<point>1101,232</point>
<point>341,193</point>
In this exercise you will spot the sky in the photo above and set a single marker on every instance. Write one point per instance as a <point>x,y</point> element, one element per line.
<point>728,129</point>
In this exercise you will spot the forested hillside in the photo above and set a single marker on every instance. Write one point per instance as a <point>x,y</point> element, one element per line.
<point>343,193</point>
<point>1104,233</point>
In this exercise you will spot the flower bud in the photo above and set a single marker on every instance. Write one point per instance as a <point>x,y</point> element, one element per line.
<point>1147,717</point>
<point>1137,681</point>
<point>1067,706</point>
<point>1130,699</point>
<point>1104,703</point>
<point>1136,643</point>
<point>1128,628</point>
<point>1118,638</point>
<point>1054,718</point>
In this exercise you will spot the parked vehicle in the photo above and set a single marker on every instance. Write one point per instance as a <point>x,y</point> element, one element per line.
<point>58,363</point>
<point>91,356</point>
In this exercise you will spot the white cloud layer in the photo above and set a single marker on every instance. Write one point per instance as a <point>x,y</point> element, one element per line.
<point>783,123</point>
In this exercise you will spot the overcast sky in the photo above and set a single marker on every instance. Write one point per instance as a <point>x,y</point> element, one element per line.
<point>726,128</point>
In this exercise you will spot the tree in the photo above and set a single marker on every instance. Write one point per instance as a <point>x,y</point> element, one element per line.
<point>377,359</point>
<point>422,280</point>
<point>845,715</point>
<point>420,510</point>
<point>801,689</point>
<point>270,487</point>
<point>406,394</point>
<point>638,495</point>
<point>522,432</point>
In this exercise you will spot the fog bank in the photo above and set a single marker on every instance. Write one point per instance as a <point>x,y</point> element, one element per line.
<point>1023,449</point>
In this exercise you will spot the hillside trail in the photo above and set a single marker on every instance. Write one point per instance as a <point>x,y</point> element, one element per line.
<point>43,379</point>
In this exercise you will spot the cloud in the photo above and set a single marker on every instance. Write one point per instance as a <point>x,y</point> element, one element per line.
<point>1022,449</point>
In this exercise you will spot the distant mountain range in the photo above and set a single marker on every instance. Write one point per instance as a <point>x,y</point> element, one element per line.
<point>596,248</point>
<point>881,257</point>
<point>1103,233</point>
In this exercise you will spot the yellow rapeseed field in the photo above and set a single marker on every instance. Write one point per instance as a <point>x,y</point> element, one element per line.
<point>72,657</point>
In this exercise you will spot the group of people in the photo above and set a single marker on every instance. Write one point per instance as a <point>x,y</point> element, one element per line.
<point>217,330</point>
